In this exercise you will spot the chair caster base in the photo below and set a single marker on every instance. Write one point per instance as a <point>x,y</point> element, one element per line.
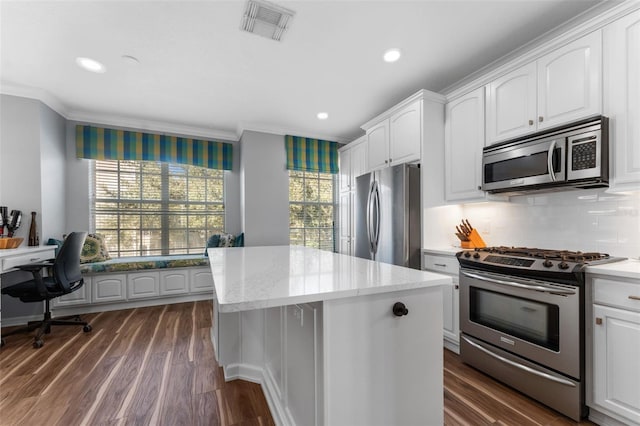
<point>38,344</point>
<point>87,328</point>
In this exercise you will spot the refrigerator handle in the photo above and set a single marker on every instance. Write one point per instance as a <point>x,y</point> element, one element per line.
<point>376,238</point>
<point>368,217</point>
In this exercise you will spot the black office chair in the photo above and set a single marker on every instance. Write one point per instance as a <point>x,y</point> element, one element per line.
<point>64,278</point>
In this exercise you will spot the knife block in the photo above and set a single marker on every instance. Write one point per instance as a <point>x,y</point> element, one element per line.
<point>475,241</point>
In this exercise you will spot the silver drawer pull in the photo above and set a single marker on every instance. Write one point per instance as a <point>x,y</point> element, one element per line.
<point>440,264</point>
<point>634,297</point>
<point>34,259</point>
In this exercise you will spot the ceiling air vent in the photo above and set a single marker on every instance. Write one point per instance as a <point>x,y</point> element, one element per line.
<point>266,19</point>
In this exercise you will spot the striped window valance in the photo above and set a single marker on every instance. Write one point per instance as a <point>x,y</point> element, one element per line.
<point>99,143</point>
<point>311,155</point>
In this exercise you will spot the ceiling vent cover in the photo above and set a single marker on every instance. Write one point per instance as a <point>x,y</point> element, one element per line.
<point>266,19</point>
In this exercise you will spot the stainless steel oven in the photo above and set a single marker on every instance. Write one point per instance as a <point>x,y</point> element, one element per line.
<point>522,320</point>
<point>537,320</point>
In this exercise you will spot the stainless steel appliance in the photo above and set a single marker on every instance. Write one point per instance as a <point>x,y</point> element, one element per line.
<point>575,156</point>
<point>387,215</point>
<point>522,320</point>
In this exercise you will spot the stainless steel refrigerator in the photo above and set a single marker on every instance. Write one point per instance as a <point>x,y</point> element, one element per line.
<point>387,215</point>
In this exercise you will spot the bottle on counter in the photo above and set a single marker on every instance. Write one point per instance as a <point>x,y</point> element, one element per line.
<point>33,232</point>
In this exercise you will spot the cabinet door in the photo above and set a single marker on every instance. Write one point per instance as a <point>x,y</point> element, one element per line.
<point>174,282</point>
<point>109,288</point>
<point>345,170</point>
<point>570,82</point>
<point>303,359</point>
<point>451,309</point>
<point>464,140</point>
<point>143,284</point>
<point>378,145</point>
<point>405,134</point>
<point>81,296</point>
<point>359,163</point>
<point>622,99</point>
<point>345,225</point>
<point>200,280</point>
<point>511,104</point>
<point>616,369</point>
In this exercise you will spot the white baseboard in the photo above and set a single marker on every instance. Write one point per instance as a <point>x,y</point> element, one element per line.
<point>255,374</point>
<point>127,304</point>
<point>13,321</point>
<point>602,419</point>
<point>452,346</point>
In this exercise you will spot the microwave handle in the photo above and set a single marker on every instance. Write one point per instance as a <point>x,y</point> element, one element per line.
<point>552,148</point>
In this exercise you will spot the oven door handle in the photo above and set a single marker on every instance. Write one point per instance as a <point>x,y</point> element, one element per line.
<point>520,366</point>
<point>552,290</point>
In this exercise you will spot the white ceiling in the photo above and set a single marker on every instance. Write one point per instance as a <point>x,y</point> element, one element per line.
<point>198,71</point>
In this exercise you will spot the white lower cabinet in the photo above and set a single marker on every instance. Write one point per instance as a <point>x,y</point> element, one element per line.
<point>82,296</point>
<point>143,284</point>
<point>200,280</point>
<point>174,282</point>
<point>614,350</point>
<point>109,288</point>
<point>450,297</point>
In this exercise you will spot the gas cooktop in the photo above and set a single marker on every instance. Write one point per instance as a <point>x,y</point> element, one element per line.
<point>532,260</point>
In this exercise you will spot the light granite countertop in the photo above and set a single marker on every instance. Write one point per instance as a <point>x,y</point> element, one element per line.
<point>629,268</point>
<point>248,278</point>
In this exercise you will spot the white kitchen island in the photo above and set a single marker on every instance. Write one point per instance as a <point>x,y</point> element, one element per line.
<point>317,330</point>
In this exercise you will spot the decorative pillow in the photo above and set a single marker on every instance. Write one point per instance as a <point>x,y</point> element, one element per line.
<point>227,240</point>
<point>94,249</point>
<point>213,241</point>
<point>239,240</point>
<point>55,242</point>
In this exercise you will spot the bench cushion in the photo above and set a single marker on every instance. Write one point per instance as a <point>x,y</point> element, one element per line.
<point>124,264</point>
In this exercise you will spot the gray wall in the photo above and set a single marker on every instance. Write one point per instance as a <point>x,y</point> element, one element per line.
<point>265,189</point>
<point>32,169</point>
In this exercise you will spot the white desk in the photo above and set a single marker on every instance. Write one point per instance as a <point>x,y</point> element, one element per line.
<point>10,258</point>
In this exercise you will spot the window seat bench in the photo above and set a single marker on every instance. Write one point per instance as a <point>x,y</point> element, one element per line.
<point>139,263</point>
<point>133,282</point>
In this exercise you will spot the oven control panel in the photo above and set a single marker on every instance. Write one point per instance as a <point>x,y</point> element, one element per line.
<point>511,261</point>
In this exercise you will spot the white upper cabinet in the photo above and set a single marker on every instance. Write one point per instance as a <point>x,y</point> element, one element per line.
<point>464,140</point>
<point>570,82</point>
<point>622,100</point>
<point>406,134</point>
<point>560,87</point>
<point>396,136</point>
<point>511,104</point>
<point>378,145</point>
<point>345,170</point>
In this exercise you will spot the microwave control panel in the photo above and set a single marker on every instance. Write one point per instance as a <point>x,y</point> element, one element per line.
<point>584,153</point>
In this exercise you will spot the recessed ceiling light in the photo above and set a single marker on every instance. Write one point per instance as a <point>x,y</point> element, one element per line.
<point>323,116</point>
<point>391,55</point>
<point>90,65</point>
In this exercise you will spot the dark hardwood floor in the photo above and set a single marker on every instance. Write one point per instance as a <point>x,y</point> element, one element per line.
<point>155,366</point>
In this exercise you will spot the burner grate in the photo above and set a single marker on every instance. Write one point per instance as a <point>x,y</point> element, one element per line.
<point>564,255</point>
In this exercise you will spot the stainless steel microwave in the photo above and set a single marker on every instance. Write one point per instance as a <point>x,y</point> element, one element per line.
<point>573,156</point>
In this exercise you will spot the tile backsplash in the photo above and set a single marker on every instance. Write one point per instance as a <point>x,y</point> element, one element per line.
<point>585,220</point>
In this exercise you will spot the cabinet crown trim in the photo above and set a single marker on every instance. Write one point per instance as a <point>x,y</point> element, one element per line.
<point>421,94</point>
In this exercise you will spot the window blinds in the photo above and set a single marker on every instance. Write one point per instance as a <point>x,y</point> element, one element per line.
<point>99,143</point>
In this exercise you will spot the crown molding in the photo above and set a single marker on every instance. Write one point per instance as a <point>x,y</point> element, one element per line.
<point>421,94</point>
<point>12,89</point>
<point>132,123</point>
<point>244,126</point>
<point>591,20</point>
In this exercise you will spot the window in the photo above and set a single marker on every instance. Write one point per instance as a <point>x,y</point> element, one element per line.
<point>148,208</point>
<point>311,209</point>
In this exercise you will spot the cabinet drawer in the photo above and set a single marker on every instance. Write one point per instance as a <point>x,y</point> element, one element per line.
<point>616,293</point>
<point>443,264</point>
<point>12,262</point>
